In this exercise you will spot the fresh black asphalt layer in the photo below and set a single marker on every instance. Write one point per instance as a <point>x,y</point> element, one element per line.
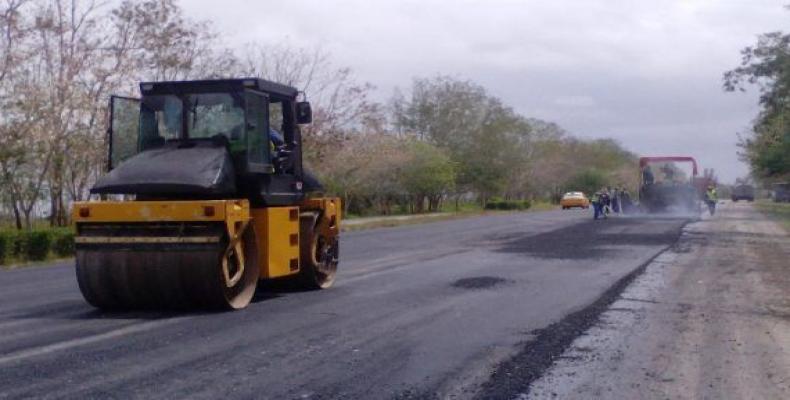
<point>423,311</point>
<point>515,375</point>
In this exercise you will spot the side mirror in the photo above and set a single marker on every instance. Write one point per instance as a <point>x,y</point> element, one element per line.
<point>304,114</point>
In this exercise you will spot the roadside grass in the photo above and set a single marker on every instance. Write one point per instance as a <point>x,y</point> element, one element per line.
<point>778,211</point>
<point>412,220</point>
<point>543,206</point>
<point>447,212</point>
<point>35,223</point>
<point>445,207</point>
<point>461,207</point>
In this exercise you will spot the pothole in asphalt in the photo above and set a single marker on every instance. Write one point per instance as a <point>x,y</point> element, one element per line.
<point>479,282</point>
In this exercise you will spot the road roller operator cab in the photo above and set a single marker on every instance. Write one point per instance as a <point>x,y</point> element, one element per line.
<point>240,115</point>
<point>214,198</point>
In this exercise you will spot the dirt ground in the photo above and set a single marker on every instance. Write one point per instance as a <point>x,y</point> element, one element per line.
<point>709,319</point>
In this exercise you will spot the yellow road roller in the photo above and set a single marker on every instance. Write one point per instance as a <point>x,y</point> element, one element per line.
<point>205,196</point>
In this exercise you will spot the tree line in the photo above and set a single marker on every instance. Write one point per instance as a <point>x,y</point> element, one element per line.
<point>766,147</point>
<point>443,139</point>
<point>450,140</point>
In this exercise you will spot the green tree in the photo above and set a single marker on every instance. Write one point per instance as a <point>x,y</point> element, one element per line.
<point>557,162</point>
<point>587,181</point>
<point>476,129</point>
<point>428,174</point>
<point>767,65</point>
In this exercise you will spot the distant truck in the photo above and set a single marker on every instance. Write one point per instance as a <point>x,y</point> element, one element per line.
<point>664,187</point>
<point>781,192</point>
<point>742,192</point>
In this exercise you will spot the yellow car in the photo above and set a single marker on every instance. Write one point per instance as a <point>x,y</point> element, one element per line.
<point>574,199</point>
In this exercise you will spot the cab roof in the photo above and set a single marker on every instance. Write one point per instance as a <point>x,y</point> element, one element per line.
<point>219,85</point>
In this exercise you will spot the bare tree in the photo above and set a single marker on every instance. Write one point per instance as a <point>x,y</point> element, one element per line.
<point>24,156</point>
<point>65,45</point>
<point>342,106</point>
<point>15,128</point>
<point>167,45</point>
<point>12,33</point>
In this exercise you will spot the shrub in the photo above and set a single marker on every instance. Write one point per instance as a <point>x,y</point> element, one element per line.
<point>493,203</point>
<point>499,204</point>
<point>38,245</point>
<point>18,244</point>
<point>6,238</point>
<point>35,245</point>
<point>63,242</point>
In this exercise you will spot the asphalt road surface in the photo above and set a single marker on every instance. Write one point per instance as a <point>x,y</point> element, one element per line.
<point>476,307</point>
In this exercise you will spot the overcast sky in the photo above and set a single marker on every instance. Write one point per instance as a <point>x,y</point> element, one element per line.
<point>647,73</point>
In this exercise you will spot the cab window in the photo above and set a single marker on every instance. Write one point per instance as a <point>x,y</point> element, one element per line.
<point>211,114</point>
<point>276,116</point>
<point>124,127</point>
<point>257,128</point>
<point>160,120</point>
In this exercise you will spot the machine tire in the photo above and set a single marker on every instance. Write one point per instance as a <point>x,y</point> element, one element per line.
<point>318,255</point>
<point>116,279</point>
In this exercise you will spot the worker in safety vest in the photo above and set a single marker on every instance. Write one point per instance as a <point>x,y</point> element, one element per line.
<point>711,198</point>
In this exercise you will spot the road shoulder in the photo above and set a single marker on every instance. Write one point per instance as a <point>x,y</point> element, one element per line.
<point>708,319</point>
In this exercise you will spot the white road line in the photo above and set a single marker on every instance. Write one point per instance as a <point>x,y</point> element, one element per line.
<point>15,323</point>
<point>68,344</point>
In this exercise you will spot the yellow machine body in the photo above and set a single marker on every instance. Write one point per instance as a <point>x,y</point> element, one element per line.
<point>234,213</point>
<point>277,232</point>
<point>329,221</point>
<point>277,229</point>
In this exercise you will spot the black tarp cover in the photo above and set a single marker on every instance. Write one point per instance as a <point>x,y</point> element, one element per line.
<point>201,168</point>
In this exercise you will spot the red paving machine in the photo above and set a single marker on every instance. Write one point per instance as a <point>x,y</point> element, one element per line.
<point>667,187</point>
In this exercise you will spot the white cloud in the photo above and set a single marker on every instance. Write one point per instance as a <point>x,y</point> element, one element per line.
<point>647,73</point>
<point>574,101</point>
